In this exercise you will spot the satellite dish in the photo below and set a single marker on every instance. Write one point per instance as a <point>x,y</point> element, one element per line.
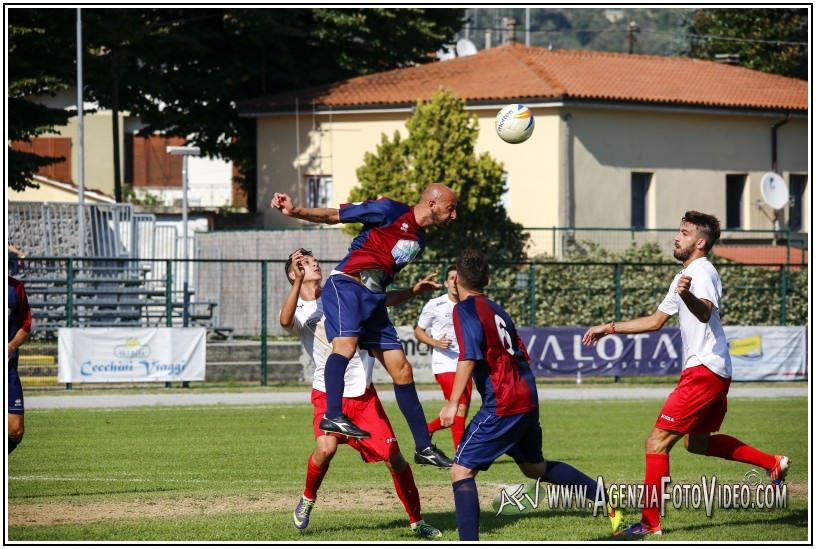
<point>465,47</point>
<point>445,54</point>
<point>774,190</point>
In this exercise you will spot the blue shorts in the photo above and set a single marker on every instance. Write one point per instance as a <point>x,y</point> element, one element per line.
<point>488,436</point>
<point>352,310</point>
<point>15,390</point>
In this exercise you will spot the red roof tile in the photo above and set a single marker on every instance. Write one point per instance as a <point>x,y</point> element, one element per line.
<point>514,72</point>
<point>752,255</point>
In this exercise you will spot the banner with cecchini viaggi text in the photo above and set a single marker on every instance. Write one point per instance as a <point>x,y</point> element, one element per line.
<point>88,355</point>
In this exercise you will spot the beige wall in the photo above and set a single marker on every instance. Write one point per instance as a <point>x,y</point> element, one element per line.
<point>689,154</point>
<point>98,129</point>
<point>339,150</point>
<point>47,193</point>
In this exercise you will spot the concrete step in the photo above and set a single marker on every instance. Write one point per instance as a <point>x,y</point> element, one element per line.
<point>251,371</point>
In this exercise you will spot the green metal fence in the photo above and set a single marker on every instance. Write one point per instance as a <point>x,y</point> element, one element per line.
<point>238,301</point>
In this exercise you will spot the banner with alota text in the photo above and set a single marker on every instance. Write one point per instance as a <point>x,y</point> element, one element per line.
<point>88,355</point>
<point>758,353</point>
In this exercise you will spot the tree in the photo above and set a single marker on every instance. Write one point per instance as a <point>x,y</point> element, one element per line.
<point>30,41</point>
<point>766,39</point>
<point>183,71</point>
<point>439,148</point>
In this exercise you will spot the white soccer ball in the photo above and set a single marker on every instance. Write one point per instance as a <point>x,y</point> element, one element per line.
<point>515,123</point>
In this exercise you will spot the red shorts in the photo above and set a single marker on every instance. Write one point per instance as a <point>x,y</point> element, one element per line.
<point>698,403</point>
<point>367,413</point>
<point>445,381</point>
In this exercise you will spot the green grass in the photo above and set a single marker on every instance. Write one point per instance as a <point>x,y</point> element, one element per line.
<point>233,473</point>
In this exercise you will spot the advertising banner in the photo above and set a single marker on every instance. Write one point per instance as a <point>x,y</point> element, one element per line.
<point>758,353</point>
<point>559,351</point>
<point>88,355</point>
<point>768,353</point>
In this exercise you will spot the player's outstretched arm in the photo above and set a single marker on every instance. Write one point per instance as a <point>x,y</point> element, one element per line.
<point>395,297</point>
<point>650,323</point>
<point>282,202</point>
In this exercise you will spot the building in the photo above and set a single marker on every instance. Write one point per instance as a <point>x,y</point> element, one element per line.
<point>621,141</point>
<point>151,175</point>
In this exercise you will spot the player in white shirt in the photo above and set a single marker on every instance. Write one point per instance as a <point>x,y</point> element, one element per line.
<point>435,328</point>
<point>696,408</point>
<point>302,315</point>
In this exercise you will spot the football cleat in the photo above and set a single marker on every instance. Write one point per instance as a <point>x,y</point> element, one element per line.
<point>425,530</point>
<point>639,530</point>
<point>780,469</point>
<point>341,425</point>
<point>617,518</point>
<point>433,456</point>
<point>302,511</point>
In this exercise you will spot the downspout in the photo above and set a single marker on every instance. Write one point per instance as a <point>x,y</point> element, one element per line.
<point>774,141</point>
<point>566,213</point>
<point>774,128</point>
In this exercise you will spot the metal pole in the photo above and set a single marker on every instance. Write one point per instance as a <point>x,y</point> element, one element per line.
<point>264,314</point>
<point>80,136</point>
<point>527,27</point>
<point>186,311</point>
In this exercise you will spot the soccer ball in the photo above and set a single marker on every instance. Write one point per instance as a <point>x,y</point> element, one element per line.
<point>515,123</point>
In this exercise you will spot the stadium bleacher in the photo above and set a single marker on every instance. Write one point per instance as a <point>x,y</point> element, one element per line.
<point>113,284</point>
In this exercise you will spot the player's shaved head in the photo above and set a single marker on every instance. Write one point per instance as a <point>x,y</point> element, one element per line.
<point>437,191</point>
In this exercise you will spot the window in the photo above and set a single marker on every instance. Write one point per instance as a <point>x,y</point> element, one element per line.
<point>318,191</point>
<point>734,189</point>
<point>640,192</point>
<point>797,193</point>
<point>53,147</point>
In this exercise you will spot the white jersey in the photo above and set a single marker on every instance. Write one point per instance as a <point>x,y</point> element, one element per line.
<point>309,325</point>
<point>437,320</point>
<point>703,343</point>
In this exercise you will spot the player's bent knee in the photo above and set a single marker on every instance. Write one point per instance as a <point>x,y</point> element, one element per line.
<point>397,463</point>
<point>458,473</point>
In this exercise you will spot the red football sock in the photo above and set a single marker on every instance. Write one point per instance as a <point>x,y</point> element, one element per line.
<point>457,430</point>
<point>657,466</point>
<point>314,478</point>
<point>408,493</point>
<point>728,447</point>
<point>434,426</point>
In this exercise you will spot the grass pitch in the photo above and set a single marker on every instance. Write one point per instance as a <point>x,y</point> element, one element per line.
<point>234,474</point>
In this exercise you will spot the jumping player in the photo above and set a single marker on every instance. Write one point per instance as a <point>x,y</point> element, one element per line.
<point>393,234</point>
<point>435,328</point>
<point>507,422</point>
<point>19,327</point>
<point>302,314</point>
<point>696,408</point>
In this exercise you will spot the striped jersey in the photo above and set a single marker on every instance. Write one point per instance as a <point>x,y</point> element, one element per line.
<point>389,240</point>
<point>502,374</point>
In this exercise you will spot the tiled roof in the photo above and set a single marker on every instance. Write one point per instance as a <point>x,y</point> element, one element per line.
<point>518,73</point>
<point>762,254</point>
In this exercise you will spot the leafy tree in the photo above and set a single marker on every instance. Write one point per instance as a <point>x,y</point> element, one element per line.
<point>766,39</point>
<point>30,41</point>
<point>183,71</point>
<point>439,148</point>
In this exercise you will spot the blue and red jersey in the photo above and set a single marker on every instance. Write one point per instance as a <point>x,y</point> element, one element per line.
<point>502,374</point>
<point>19,314</point>
<point>390,239</point>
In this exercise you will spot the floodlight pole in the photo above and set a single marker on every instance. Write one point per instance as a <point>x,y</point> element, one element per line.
<point>185,153</point>
<point>80,136</point>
